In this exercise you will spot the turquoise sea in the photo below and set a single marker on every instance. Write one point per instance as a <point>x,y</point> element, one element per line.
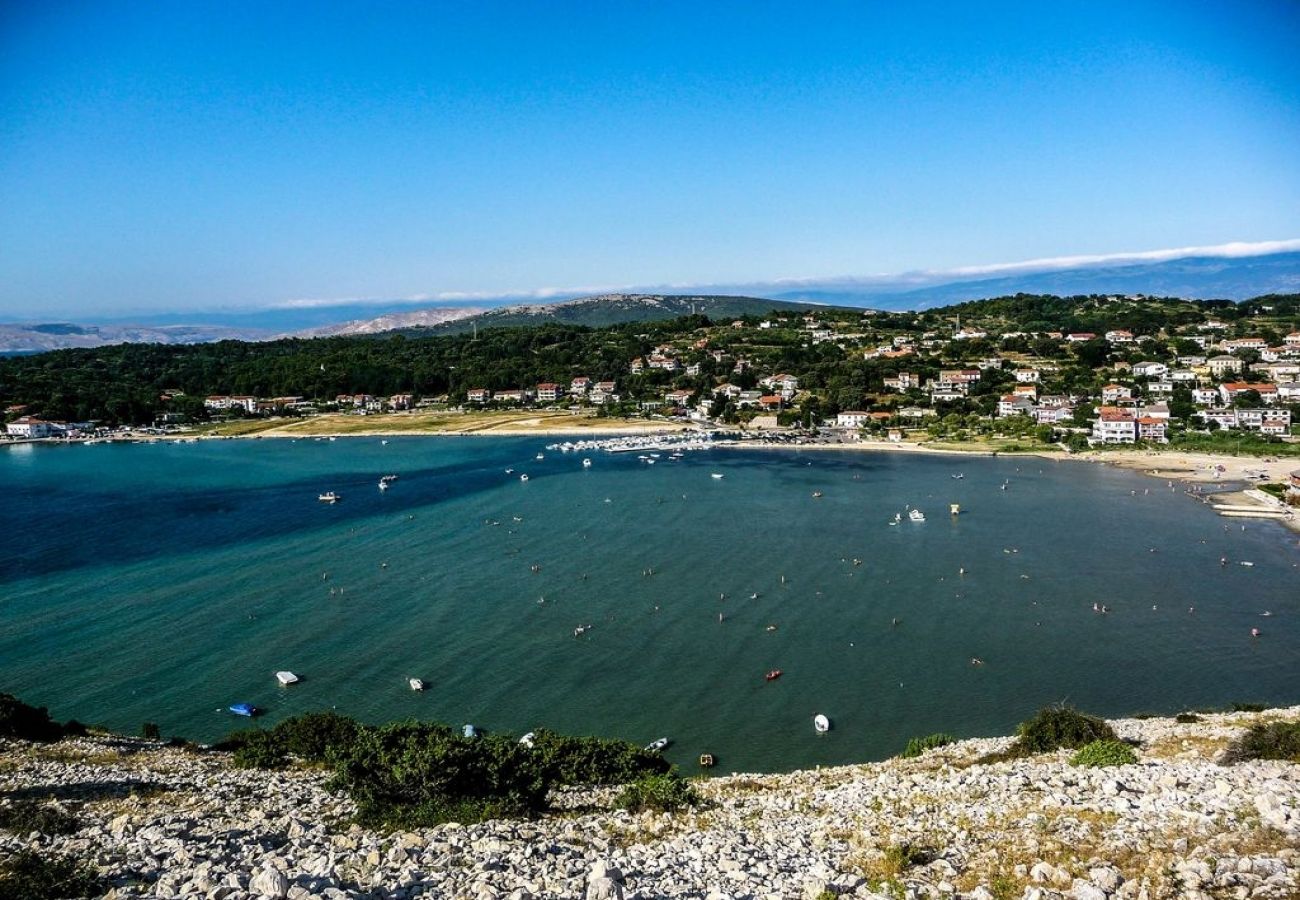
<point>163,582</point>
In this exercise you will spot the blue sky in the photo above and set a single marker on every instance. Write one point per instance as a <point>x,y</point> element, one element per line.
<point>199,155</point>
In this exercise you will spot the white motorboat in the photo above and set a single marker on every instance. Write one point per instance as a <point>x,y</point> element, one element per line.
<point>527,740</point>
<point>916,515</point>
<point>523,477</point>
<point>541,456</point>
<point>416,684</point>
<point>286,678</point>
<point>821,723</point>
<point>383,485</point>
<point>586,464</point>
<point>469,731</point>
<point>657,746</point>
<point>329,497</point>
<point>717,475</point>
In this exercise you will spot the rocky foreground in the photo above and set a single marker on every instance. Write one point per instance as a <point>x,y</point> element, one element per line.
<point>164,822</point>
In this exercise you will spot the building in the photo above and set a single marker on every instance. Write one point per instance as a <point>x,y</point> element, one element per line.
<point>1119,337</point>
<point>1112,392</point>
<point>1080,337</point>
<point>579,386</point>
<point>1230,389</point>
<point>1114,426</point>
<point>32,428</point>
<point>478,395</point>
<point>959,376</point>
<point>1150,428</point>
<point>1222,365</point>
<point>1150,370</point>
<point>1028,376</point>
<point>548,392</point>
<point>1014,405</point>
<point>902,381</point>
<point>1235,345</point>
<point>400,401</point>
<point>853,418</point>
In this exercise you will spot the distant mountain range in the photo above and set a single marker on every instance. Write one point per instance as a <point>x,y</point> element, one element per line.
<point>615,309</point>
<point>1201,276</point>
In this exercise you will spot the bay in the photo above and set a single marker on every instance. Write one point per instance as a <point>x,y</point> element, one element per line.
<point>162,582</point>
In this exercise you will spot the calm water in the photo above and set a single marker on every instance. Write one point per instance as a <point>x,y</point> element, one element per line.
<point>164,582</point>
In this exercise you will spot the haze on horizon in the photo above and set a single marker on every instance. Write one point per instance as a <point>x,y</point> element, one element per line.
<point>195,156</point>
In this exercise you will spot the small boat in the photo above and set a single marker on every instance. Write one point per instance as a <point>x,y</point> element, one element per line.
<point>329,497</point>
<point>817,495</point>
<point>469,731</point>
<point>1254,632</point>
<point>959,476</point>
<point>523,477</point>
<point>541,456</point>
<point>657,746</point>
<point>954,509</point>
<point>717,475</point>
<point>416,684</point>
<point>286,678</point>
<point>244,709</point>
<point>383,485</point>
<point>707,761</point>
<point>383,443</point>
<point>510,471</point>
<point>821,724</point>
<point>898,517</point>
<point>528,739</point>
<point>387,477</point>
<point>1245,563</point>
<point>916,515</point>
<point>586,464</point>
<point>773,675</point>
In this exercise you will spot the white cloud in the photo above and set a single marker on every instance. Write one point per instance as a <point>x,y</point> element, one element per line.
<point>900,280</point>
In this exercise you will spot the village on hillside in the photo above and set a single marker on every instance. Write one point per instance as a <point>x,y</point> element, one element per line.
<point>940,376</point>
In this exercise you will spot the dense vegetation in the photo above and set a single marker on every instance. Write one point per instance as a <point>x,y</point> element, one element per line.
<point>411,774</point>
<point>29,723</point>
<point>1057,727</point>
<point>1102,754</point>
<point>918,745</point>
<point>1276,740</point>
<point>32,875</point>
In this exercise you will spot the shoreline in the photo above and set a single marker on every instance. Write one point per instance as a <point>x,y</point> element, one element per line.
<point>157,821</point>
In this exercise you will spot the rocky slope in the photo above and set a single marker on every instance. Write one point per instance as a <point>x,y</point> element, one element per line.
<point>164,822</point>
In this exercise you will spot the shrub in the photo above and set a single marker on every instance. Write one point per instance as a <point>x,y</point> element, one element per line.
<point>150,731</point>
<point>1248,707</point>
<point>1054,727</point>
<point>259,750</point>
<point>661,793</point>
<point>73,728</point>
<point>589,760</point>
<point>28,875</point>
<point>412,774</point>
<point>1187,718</point>
<point>26,816</point>
<point>30,723</point>
<point>1100,754</point>
<point>918,745</point>
<point>1276,740</point>
<point>312,736</point>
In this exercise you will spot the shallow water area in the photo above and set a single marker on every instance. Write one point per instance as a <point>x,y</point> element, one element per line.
<point>163,582</point>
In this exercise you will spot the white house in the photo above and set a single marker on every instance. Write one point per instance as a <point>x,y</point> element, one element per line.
<point>1112,392</point>
<point>31,427</point>
<point>1119,337</point>
<point>478,395</point>
<point>853,418</point>
<point>1114,426</point>
<point>549,392</point>
<point>1028,376</point>
<point>1151,369</point>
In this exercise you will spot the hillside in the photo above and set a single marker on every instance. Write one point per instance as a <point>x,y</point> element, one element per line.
<point>155,821</point>
<point>615,309</point>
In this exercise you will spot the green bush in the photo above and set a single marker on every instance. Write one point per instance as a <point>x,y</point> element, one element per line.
<point>661,793</point>
<point>312,736</point>
<point>1248,707</point>
<point>26,816</point>
<point>1276,740</point>
<point>918,745</point>
<point>259,750</point>
<point>30,723</point>
<point>28,875</point>
<point>1054,727</point>
<point>590,760</point>
<point>1187,718</point>
<point>413,774</point>
<point>1101,754</point>
<point>150,731</point>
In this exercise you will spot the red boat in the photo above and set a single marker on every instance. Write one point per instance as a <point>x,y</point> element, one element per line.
<point>773,675</point>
